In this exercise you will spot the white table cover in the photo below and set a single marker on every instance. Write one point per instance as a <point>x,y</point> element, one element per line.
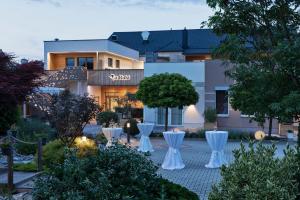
<point>145,130</point>
<point>111,134</point>
<point>173,158</point>
<point>216,141</point>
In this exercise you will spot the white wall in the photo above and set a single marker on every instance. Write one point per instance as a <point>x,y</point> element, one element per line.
<point>87,46</point>
<point>192,115</point>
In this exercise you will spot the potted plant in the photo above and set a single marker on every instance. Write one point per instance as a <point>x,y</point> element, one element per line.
<point>210,116</point>
<point>290,134</point>
<point>106,118</point>
<point>5,148</point>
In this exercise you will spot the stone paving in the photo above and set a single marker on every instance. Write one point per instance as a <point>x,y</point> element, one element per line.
<point>195,154</point>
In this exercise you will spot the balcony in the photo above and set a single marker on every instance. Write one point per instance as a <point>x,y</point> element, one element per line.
<point>115,77</point>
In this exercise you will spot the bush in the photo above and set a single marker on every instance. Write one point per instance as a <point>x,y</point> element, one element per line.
<point>26,167</point>
<point>257,174</point>
<point>86,147</point>
<point>10,114</point>
<point>105,118</point>
<point>210,115</point>
<point>70,113</point>
<point>53,153</point>
<point>133,130</point>
<point>101,139</point>
<point>113,173</point>
<point>174,191</point>
<point>31,130</point>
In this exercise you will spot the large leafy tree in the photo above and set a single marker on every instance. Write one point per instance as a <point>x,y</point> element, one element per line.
<point>168,91</point>
<point>261,39</point>
<point>16,82</point>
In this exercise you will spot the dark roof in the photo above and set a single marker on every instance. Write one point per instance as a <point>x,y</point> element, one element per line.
<point>198,41</point>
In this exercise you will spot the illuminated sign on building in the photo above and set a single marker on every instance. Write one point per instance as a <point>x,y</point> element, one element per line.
<point>119,77</point>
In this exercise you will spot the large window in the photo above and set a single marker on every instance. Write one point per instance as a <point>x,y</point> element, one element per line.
<point>161,115</point>
<point>70,62</point>
<point>175,116</point>
<point>222,102</point>
<point>110,62</point>
<point>87,62</point>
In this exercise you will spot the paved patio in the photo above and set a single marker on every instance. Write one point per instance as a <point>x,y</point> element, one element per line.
<point>195,154</point>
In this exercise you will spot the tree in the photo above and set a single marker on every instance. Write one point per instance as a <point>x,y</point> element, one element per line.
<point>16,82</point>
<point>167,91</point>
<point>261,40</point>
<point>70,113</point>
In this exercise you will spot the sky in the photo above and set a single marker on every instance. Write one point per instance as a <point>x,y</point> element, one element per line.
<point>25,24</point>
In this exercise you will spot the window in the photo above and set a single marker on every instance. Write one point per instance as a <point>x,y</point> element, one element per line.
<point>86,62</point>
<point>222,102</point>
<point>161,115</point>
<point>70,62</point>
<point>117,63</point>
<point>110,62</point>
<point>175,116</point>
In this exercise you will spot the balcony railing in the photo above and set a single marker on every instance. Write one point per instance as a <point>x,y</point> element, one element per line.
<point>115,77</point>
<point>60,78</point>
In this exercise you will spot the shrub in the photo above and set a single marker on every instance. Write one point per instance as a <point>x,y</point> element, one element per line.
<point>86,147</point>
<point>133,130</point>
<point>174,191</point>
<point>31,130</point>
<point>10,114</point>
<point>257,174</point>
<point>105,118</point>
<point>210,115</point>
<point>101,139</point>
<point>26,167</point>
<point>53,153</point>
<point>113,173</point>
<point>69,114</point>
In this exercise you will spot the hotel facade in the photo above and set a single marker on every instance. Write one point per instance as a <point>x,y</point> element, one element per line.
<point>109,69</point>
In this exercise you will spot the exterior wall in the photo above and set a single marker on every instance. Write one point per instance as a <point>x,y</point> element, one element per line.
<point>87,46</point>
<point>215,77</point>
<point>57,61</point>
<point>192,115</point>
<point>115,77</point>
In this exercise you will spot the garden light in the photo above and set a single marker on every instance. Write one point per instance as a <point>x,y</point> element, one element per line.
<point>128,125</point>
<point>83,138</point>
<point>259,135</point>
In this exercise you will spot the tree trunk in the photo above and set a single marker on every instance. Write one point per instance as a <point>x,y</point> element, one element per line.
<point>166,119</point>
<point>270,126</point>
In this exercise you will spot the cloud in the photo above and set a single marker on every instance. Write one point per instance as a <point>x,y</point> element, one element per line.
<point>150,3</point>
<point>127,3</point>
<point>53,2</point>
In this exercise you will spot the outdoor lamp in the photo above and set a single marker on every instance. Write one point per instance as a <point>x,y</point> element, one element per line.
<point>83,138</point>
<point>259,135</point>
<point>128,124</point>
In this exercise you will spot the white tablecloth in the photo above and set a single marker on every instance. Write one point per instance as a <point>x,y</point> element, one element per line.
<point>216,141</point>
<point>111,134</point>
<point>173,158</point>
<point>145,130</point>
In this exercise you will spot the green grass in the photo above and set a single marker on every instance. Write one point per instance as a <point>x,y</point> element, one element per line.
<point>26,167</point>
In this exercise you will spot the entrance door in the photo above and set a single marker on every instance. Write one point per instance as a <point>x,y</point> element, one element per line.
<point>110,102</point>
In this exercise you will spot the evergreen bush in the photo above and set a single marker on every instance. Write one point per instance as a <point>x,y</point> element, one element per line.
<point>257,174</point>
